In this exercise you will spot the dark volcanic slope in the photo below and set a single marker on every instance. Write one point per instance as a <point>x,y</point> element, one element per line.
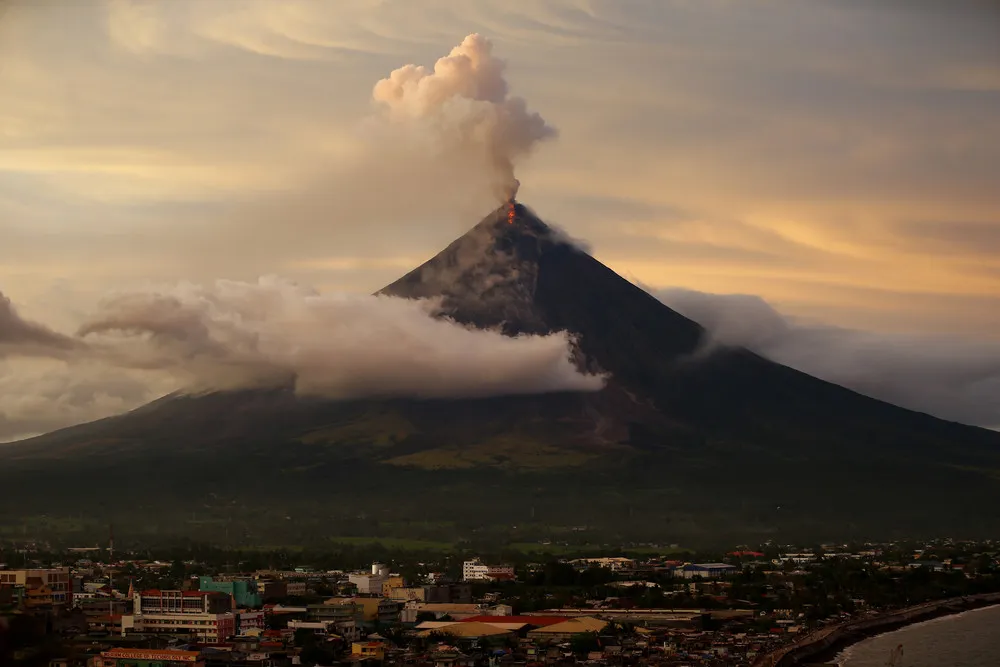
<point>524,278</point>
<point>686,443</point>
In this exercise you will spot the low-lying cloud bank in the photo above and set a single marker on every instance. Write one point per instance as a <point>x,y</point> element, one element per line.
<point>230,335</point>
<point>949,377</point>
<point>234,334</point>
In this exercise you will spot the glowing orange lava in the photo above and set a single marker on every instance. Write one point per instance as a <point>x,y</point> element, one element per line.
<point>510,214</point>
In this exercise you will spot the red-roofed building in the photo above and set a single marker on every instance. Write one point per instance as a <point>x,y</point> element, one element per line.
<point>206,615</point>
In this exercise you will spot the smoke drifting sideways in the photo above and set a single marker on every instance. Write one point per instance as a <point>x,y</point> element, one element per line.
<point>23,338</point>
<point>234,334</point>
<point>464,103</point>
<point>949,377</point>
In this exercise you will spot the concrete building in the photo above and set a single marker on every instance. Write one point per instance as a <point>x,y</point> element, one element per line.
<point>614,563</point>
<point>705,570</point>
<point>207,615</point>
<point>392,582</point>
<point>52,587</point>
<point>368,610</point>
<point>370,583</point>
<point>249,621</point>
<point>475,570</point>
<point>243,589</point>
<point>341,619</point>
<point>440,593</point>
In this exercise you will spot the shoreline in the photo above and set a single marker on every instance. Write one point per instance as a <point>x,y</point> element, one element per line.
<point>826,644</point>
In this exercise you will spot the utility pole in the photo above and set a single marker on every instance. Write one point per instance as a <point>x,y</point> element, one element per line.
<point>111,573</point>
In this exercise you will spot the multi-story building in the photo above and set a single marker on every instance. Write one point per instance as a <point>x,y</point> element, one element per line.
<point>243,589</point>
<point>392,582</point>
<point>475,570</point>
<point>368,610</point>
<point>51,587</point>
<point>370,583</point>
<point>614,563</point>
<point>343,616</point>
<point>457,593</point>
<point>207,615</point>
<point>248,621</point>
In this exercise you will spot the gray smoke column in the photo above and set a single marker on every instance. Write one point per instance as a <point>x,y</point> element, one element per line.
<point>465,100</point>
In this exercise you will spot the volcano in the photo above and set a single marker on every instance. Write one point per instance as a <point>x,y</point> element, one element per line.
<point>688,442</point>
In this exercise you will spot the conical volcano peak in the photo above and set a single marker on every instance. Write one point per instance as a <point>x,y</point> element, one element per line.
<point>488,276</point>
<point>514,219</point>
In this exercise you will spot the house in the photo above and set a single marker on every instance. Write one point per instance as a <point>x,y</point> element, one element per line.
<point>368,650</point>
<point>452,658</point>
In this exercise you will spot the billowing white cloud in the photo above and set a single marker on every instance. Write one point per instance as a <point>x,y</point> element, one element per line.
<point>233,334</point>
<point>227,335</point>
<point>464,101</point>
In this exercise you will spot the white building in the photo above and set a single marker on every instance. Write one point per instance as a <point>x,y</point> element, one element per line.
<point>705,570</point>
<point>615,563</point>
<point>474,570</point>
<point>207,615</point>
<point>370,583</point>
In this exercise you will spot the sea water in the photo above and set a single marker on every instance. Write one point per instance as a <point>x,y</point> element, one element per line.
<point>968,639</point>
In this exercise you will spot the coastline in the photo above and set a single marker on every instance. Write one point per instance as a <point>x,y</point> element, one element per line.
<point>825,644</point>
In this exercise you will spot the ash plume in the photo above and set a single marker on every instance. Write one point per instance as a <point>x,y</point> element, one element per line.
<point>20,336</point>
<point>464,102</point>
<point>951,377</point>
<point>233,334</point>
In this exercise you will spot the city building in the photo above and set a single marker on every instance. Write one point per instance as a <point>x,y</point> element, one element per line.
<point>367,610</point>
<point>614,563</point>
<point>51,587</point>
<point>705,570</point>
<point>475,570</point>
<point>392,582</point>
<point>370,583</point>
<point>243,589</point>
<point>207,615</point>
<point>249,621</point>
<point>441,593</point>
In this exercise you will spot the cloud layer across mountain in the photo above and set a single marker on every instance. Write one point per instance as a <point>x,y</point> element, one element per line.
<point>952,377</point>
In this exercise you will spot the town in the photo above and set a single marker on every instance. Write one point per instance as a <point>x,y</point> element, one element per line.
<point>750,606</point>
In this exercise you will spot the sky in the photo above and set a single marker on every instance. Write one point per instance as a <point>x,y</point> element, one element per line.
<point>833,164</point>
